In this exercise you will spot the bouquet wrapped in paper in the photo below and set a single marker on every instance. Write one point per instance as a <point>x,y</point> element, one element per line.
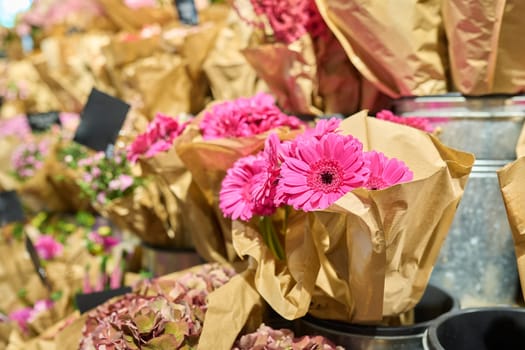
<point>223,133</point>
<point>155,152</point>
<point>510,181</point>
<point>344,222</point>
<point>32,304</point>
<point>13,132</point>
<point>299,58</point>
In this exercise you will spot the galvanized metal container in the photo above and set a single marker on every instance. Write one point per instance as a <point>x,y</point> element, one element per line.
<point>162,261</point>
<point>478,329</point>
<point>435,302</point>
<point>477,262</point>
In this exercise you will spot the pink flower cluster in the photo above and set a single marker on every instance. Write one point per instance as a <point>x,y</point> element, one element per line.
<point>290,19</point>
<point>28,158</point>
<point>415,122</point>
<point>245,117</point>
<point>159,137</point>
<point>27,314</point>
<point>15,126</point>
<point>47,247</point>
<point>308,173</point>
<point>105,179</point>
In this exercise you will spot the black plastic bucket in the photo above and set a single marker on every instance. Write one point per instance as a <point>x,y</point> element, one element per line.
<point>434,303</point>
<point>499,328</point>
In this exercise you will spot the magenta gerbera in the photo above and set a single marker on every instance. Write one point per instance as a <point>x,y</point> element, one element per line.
<point>236,196</point>
<point>385,172</point>
<point>415,122</point>
<point>320,171</point>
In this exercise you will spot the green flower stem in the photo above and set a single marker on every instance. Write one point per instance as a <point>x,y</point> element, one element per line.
<point>270,237</point>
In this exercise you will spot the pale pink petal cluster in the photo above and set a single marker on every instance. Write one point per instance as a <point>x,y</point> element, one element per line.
<point>27,314</point>
<point>308,173</point>
<point>415,122</point>
<point>159,137</point>
<point>245,117</point>
<point>28,158</point>
<point>48,248</point>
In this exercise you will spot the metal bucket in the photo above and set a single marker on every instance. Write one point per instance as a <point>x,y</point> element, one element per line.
<point>435,302</point>
<point>162,261</point>
<point>478,329</point>
<point>477,263</point>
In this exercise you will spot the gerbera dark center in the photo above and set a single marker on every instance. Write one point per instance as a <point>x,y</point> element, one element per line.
<point>327,177</point>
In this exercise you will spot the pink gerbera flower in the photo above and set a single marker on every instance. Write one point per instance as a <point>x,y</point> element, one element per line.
<point>236,196</point>
<point>415,122</point>
<point>47,247</point>
<point>317,172</point>
<point>385,172</point>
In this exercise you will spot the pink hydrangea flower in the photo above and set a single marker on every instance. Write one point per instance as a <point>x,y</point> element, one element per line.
<point>415,122</point>
<point>47,247</point>
<point>245,117</point>
<point>236,196</point>
<point>385,172</point>
<point>317,172</point>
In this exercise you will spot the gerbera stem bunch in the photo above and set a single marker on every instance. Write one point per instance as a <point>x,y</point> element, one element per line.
<point>308,173</point>
<point>106,178</point>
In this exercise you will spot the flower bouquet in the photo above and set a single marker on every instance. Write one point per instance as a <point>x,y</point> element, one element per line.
<point>131,202</point>
<point>313,73</point>
<point>155,152</point>
<point>344,222</point>
<point>211,143</point>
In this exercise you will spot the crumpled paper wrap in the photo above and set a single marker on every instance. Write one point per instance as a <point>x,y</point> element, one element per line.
<point>509,76</point>
<point>368,256</point>
<point>208,161</point>
<point>128,19</point>
<point>511,185</point>
<point>289,71</point>
<point>400,57</point>
<point>473,30</point>
<point>227,70</point>
<point>143,213</point>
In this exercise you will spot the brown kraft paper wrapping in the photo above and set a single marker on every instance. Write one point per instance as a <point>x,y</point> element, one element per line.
<point>473,29</point>
<point>371,253</point>
<point>510,66</point>
<point>394,44</point>
<point>289,71</point>
<point>511,185</point>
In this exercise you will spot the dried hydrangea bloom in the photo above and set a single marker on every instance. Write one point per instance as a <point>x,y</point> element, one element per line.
<point>163,314</point>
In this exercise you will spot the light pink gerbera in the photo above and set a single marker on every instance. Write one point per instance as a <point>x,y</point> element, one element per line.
<point>415,122</point>
<point>317,172</point>
<point>385,172</point>
<point>236,196</point>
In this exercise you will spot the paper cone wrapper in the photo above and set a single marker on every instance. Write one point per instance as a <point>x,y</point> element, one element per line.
<point>401,58</point>
<point>473,57</point>
<point>511,184</point>
<point>370,254</point>
<point>129,19</point>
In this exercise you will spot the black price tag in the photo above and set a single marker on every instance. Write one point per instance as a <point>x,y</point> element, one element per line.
<point>10,208</point>
<point>40,122</point>
<point>88,301</point>
<point>187,12</point>
<point>101,121</point>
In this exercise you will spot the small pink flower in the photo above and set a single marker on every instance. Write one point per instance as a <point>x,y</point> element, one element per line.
<point>320,171</point>
<point>87,177</point>
<point>415,122</point>
<point>47,247</point>
<point>96,172</point>
<point>21,317</point>
<point>114,185</point>
<point>386,172</point>
<point>138,147</point>
<point>101,198</point>
<point>125,182</point>
<point>236,196</point>
<point>41,306</point>
<point>107,242</point>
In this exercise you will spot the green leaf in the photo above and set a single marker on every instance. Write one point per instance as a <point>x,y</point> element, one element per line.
<point>164,342</point>
<point>55,296</point>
